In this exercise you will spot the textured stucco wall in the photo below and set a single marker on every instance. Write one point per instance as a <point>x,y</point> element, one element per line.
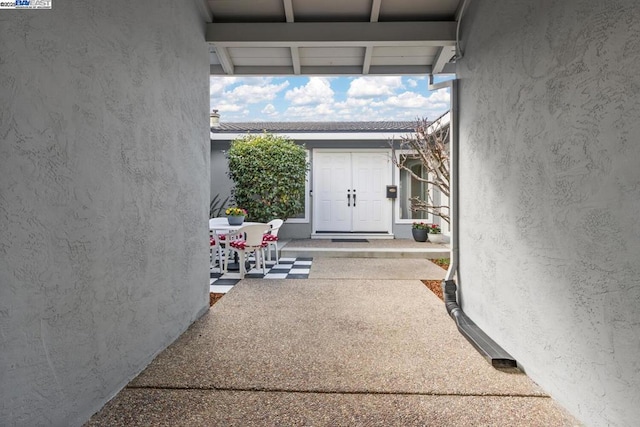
<point>104,165</point>
<point>550,195</point>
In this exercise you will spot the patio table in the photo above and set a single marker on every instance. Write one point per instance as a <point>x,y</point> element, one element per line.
<point>222,224</point>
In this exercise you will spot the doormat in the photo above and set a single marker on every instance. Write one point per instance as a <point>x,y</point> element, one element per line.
<point>350,240</point>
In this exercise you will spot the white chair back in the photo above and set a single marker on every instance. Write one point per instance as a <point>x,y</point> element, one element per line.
<point>275,225</point>
<point>253,234</point>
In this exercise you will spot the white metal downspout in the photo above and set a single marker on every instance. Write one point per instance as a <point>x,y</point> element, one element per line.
<point>486,346</point>
<point>453,183</point>
<point>453,172</point>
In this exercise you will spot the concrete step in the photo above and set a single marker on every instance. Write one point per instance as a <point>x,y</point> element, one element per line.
<point>431,252</point>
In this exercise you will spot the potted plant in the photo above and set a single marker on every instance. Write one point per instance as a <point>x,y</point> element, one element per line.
<point>419,230</point>
<point>235,215</point>
<point>435,233</point>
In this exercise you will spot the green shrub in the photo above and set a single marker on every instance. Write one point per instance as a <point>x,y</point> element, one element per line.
<point>269,174</point>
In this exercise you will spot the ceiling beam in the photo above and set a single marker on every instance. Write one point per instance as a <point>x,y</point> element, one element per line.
<point>295,59</point>
<point>375,10</point>
<point>366,64</point>
<point>225,60</point>
<point>442,58</point>
<point>288,10</point>
<point>336,34</point>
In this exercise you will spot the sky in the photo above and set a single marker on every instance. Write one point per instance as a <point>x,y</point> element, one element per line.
<point>290,99</point>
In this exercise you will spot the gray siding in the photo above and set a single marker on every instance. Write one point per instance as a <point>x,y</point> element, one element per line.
<point>550,195</point>
<point>103,222</point>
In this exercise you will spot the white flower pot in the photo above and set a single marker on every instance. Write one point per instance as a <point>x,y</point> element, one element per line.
<point>436,238</point>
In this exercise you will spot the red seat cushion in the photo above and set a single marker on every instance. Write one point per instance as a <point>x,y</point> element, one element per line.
<point>238,244</point>
<point>269,238</point>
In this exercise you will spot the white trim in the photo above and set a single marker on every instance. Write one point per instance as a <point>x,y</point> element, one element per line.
<point>314,136</point>
<point>371,236</point>
<point>442,58</point>
<point>225,59</point>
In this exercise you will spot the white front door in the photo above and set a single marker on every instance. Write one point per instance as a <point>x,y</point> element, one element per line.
<point>350,192</point>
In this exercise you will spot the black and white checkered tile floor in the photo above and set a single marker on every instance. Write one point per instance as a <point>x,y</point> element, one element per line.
<point>287,268</point>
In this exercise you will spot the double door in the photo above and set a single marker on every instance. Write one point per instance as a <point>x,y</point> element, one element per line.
<point>350,192</point>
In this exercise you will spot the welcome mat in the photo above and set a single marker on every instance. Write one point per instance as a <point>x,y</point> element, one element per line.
<point>350,240</point>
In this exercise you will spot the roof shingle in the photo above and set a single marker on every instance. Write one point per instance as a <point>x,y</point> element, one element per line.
<point>381,126</point>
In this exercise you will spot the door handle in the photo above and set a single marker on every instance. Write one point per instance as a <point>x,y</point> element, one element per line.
<point>348,198</point>
<point>354,198</point>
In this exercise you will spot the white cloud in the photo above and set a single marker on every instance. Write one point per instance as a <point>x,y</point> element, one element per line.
<point>217,85</point>
<point>371,87</point>
<point>413,100</point>
<point>255,94</point>
<point>407,100</point>
<point>354,103</point>
<point>440,97</point>
<point>316,91</point>
<point>269,110</point>
<point>225,107</point>
<point>367,98</point>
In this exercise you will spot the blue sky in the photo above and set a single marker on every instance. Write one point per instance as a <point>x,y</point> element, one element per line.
<point>325,98</point>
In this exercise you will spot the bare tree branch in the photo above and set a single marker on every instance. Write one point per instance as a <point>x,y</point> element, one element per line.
<point>429,145</point>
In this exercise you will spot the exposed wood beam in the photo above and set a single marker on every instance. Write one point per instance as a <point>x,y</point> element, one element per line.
<point>367,59</point>
<point>295,59</point>
<point>316,34</point>
<point>288,10</point>
<point>375,10</point>
<point>444,55</point>
<point>225,60</point>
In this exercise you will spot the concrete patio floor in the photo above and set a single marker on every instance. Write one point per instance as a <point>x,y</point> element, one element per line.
<point>361,342</point>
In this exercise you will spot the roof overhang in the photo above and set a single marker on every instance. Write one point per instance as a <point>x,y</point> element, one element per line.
<point>317,136</point>
<point>331,37</point>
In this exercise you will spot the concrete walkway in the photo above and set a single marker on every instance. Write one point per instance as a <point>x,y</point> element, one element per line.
<point>373,248</point>
<point>362,342</point>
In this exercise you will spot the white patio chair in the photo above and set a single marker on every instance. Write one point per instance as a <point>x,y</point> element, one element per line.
<point>271,238</point>
<point>216,248</point>
<point>244,241</point>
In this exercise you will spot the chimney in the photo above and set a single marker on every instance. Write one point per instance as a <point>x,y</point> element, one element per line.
<point>214,119</point>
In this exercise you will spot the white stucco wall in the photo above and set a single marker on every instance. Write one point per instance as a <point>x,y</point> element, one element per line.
<point>104,166</point>
<point>550,195</point>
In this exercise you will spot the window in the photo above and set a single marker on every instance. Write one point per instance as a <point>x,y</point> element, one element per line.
<point>409,186</point>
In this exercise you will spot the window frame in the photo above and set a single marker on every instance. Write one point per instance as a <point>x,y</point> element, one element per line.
<point>397,210</point>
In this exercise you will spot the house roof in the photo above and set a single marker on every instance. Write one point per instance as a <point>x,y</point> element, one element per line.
<point>315,127</point>
<point>332,37</point>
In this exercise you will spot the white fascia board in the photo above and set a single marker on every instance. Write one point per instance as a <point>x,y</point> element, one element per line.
<point>443,120</point>
<point>313,136</point>
<point>442,58</point>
